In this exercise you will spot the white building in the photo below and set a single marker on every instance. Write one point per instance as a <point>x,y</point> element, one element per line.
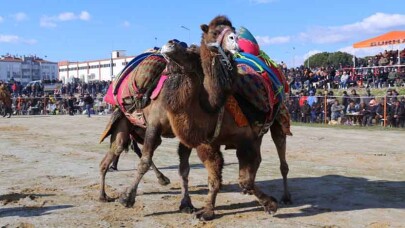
<point>27,68</point>
<point>94,70</point>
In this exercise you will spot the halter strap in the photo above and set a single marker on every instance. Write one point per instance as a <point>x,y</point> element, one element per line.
<point>218,126</point>
<point>220,39</point>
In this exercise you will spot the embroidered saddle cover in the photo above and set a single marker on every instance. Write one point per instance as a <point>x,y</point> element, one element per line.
<point>136,84</point>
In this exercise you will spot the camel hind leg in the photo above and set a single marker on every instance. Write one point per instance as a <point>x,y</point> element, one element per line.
<point>280,139</point>
<point>162,179</point>
<point>118,143</point>
<point>152,141</point>
<point>10,111</point>
<point>249,157</point>
<point>213,162</point>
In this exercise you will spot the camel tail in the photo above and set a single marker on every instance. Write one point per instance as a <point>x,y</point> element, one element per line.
<point>116,115</point>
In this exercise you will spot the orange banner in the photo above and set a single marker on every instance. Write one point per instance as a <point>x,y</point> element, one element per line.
<point>391,38</point>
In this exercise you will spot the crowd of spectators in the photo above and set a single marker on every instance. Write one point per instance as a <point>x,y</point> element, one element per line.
<point>354,109</point>
<point>36,88</point>
<point>386,58</point>
<point>380,71</point>
<point>70,98</point>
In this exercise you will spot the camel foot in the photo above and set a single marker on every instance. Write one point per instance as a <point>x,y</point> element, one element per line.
<point>286,199</point>
<point>205,214</point>
<point>104,198</point>
<point>112,169</point>
<point>269,204</point>
<point>163,180</point>
<point>126,200</point>
<point>247,192</point>
<point>186,206</point>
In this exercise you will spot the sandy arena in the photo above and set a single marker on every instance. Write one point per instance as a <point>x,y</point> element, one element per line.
<point>338,178</point>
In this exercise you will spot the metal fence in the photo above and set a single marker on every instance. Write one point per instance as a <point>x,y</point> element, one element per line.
<point>49,105</point>
<point>328,109</point>
<point>348,110</point>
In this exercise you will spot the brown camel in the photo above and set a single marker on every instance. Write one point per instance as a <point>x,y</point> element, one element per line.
<point>214,38</point>
<point>5,98</point>
<point>121,129</point>
<point>194,102</point>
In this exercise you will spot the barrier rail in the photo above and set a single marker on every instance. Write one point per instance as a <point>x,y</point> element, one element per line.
<point>54,105</point>
<point>384,110</point>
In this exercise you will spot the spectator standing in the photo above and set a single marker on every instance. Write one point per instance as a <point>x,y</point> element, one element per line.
<point>369,112</point>
<point>397,116</point>
<point>336,110</point>
<point>71,105</point>
<point>88,102</point>
<point>343,80</point>
<point>311,99</point>
<point>305,112</point>
<point>355,97</point>
<point>367,97</point>
<point>345,100</point>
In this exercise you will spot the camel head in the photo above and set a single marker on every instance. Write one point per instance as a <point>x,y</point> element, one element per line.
<point>187,58</point>
<point>173,49</point>
<point>220,33</point>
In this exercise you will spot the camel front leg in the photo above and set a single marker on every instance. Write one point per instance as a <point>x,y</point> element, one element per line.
<point>248,154</point>
<point>152,139</point>
<point>184,169</point>
<point>213,162</point>
<point>280,139</point>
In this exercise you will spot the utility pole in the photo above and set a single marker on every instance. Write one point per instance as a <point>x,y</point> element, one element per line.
<point>189,33</point>
<point>308,61</point>
<point>293,57</point>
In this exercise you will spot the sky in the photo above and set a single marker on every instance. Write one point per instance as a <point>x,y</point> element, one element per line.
<point>287,30</point>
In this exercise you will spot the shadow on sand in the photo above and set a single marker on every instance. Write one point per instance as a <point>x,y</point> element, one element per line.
<point>315,195</point>
<point>30,211</point>
<point>194,166</point>
<point>26,211</point>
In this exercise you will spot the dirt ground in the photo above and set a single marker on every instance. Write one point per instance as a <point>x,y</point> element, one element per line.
<point>338,178</point>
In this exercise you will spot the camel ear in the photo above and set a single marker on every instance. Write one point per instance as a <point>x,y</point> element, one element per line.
<point>204,28</point>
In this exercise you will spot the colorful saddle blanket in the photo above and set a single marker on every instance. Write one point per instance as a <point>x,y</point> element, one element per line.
<point>259,84</point>
<point>259,66</point>
<point>136,84</point>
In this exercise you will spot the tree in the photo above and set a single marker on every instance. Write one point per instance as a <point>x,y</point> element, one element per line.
<point>326,59</point>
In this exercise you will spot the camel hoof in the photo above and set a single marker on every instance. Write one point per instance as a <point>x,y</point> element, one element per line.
<point>187,207</point>
<point>163,180</point>
<point>286,199</point>
<point>126,201</point>
<point>269,204</point>
<point>205,214</point>
<point>247,192</point>
<point>104,198</point>
<point>112,169</point>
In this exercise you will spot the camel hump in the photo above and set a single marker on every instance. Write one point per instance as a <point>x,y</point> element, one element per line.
<point>137,84</point>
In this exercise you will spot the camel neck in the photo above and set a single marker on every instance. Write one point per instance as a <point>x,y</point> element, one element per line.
<point>217,81</point>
